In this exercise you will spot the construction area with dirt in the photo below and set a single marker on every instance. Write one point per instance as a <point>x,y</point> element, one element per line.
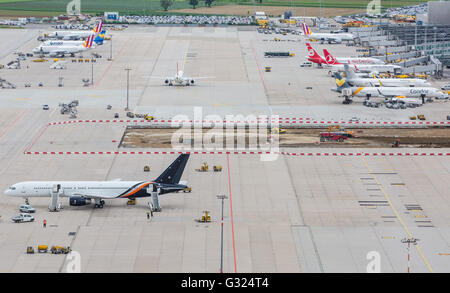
<point>299,137</point>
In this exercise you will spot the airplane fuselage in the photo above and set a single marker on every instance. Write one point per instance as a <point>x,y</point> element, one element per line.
<point>412,92</point>
<point>103,189</point>
<point>388,82</point>
<point>368,68</point>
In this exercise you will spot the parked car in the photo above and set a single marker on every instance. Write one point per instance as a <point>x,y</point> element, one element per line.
<point>45,107</point>
<point>26,208</point>
<point>22,217</point>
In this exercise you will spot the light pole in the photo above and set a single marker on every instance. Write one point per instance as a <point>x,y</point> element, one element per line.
<point>409,241</point>
<point>128,87</point>
<point>92,70</point>
<point>222,197</point>
<point>110,48</point>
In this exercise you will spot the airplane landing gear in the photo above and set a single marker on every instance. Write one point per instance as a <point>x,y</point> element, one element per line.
<point>347,101</point>
<point>99,204</point>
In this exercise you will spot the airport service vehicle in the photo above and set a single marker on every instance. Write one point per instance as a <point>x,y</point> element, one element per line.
<point>332,136</point>
<point>354,80</point>
<point>59,65</point>
<point>97,40</point>
<point>45,107</point>
<point>79,34</point>
<point>306,64</point>
<point>386,92</point>
<point>278,54</point>
<point>326,37</point>
<point>80,193</point>
<point>446,87</point>
<point>349,60</point>
<point>179,79</point>
<point>22,217</point>
<point>26,208</point>
<point>62,50</point>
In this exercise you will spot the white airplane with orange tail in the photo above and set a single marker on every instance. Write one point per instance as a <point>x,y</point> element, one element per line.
<point>62,50</point>
<point>79,34</point>
<point>326,37</point>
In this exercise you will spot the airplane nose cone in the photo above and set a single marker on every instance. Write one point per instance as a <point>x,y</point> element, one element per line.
<point>7,192</point>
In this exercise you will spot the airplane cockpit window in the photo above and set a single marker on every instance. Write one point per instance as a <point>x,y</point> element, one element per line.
<point>12,188</point>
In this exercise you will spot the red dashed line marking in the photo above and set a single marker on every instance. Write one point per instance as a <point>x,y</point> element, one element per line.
<point>305,154</point>
<point>306,121</point>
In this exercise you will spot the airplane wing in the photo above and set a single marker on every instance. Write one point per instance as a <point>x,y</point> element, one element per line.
<point>200,77</point>
<point>337,40</point>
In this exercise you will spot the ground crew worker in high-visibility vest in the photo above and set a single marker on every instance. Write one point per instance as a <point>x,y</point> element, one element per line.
<point>45,223</point>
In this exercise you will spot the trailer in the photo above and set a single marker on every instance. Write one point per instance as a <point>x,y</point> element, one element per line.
<point>278,54</point>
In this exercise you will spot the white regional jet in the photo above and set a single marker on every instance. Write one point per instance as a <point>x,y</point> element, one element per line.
<point>352,60</point>
<point>386,92</point>
<point>179,79</point>
<point>328,37</point>
<point>354,80</point>
<point>61,50</point>
<point>80,193</point>
<point>80,34</point>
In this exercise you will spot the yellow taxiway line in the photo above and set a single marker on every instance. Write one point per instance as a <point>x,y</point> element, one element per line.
<point>396,213</point>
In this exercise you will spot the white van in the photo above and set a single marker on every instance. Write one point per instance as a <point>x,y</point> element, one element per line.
<point>306,64</point>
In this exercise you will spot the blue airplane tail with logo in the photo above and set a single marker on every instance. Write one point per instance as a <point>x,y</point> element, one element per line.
<point>99,38</point>
<point>341,83</point>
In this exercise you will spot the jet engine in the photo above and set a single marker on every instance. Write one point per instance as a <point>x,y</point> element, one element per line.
<point>79,201</point>
<point>192,81</point>
<point>166,81</point>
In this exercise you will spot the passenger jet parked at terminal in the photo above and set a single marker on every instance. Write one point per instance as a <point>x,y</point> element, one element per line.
<point>328,37</point>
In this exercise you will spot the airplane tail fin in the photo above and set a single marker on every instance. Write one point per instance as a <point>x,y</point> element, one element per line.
<point>349,72</point>
<point>306,29</point>
<point>88,42</point>
<point>172,174</point>
<point>313,55</point>
<point>329,58</point>
<point>98,28</point>
<point>99,39</point>
<point>341,83</point>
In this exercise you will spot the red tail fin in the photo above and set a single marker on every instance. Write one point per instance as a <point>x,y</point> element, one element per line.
<point>329,58</point>
<point>313,56</point>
